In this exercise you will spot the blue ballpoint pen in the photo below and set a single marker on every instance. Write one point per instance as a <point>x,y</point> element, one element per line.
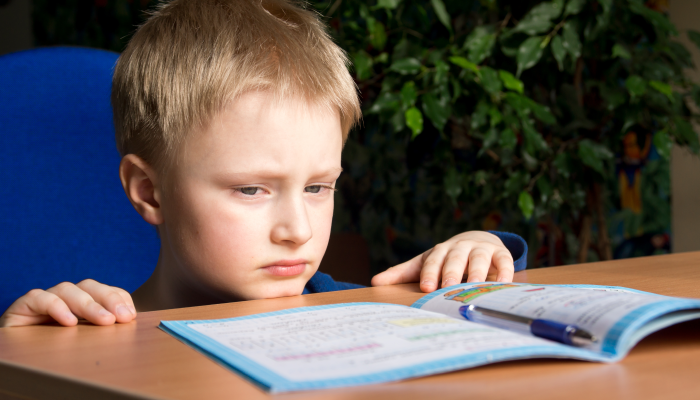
<point>563,333</point>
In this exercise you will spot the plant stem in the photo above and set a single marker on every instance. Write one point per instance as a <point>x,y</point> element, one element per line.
<point>584,239</point>
<point>603,240</point>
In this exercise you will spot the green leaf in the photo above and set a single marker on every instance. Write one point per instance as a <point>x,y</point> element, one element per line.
<point>363,65</point>
<point>529,54</point>
<point>593,154</point>
<point>406,66</point>
<point>547,9</point>
<point>466,64</point>
<point>663,144</point>
<point>386,101</point>
<point>508,140</point>
<point>526,204</point>
<point>574,7</point>
<point>388,4</point>
<point>636,85</point>
<point>664,88</point>
<point>543,113</point>
<point>658,20</point>
<point>571,40</point>
<point>453,184</point>
<point>489,80</point>
<point>695,94</point>
<point>558,51</point>
<point>496,116</point>
<point>521,104</point>
<point>619,51</point>
<point>480,44</point>
<point>613,96</point>
<point>441,13</point>
<point>437,110</point>
<point>442,69</point>
<point>562,164</point>
<point>490,138</point>
<point>409,94</point>
<point>684,131</point>
<point>533,140</point>
<point>694,37</point>
<point>377,34</point>
<point>414,120</point>
<point>480,115</point>
<point>534,26</point>
<point>398,121</point>
<point>539,19</point>
<point>545,188</point>
<point>516,182</point>
<point>511,82</point>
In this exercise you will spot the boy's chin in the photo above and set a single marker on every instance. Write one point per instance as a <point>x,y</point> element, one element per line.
<point>275,289</point>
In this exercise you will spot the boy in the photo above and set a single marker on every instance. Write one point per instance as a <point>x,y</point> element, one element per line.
<point>230,117</point>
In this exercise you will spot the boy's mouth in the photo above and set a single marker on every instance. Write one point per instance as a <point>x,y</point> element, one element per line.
<point>286,267</point>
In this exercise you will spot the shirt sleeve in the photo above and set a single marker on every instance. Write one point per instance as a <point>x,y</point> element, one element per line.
<point>321,283</point>
<point>517,247</point>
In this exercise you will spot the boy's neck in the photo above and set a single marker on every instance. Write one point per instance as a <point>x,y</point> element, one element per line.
<point>166,289</point>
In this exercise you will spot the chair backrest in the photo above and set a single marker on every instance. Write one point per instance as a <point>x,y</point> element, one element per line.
<point>63,213</point>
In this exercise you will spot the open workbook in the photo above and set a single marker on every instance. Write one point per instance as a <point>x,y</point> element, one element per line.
<point>360,343</point>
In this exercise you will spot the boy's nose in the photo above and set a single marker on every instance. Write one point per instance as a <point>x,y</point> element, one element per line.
<point>292,225</point>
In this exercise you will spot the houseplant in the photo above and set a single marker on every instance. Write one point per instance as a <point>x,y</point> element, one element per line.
<point>511,115</point>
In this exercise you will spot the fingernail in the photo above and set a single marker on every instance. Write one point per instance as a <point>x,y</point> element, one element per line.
<point>123,311</point>
<point>428,283</point>
<point>133,310</point>
<point>103,313</point>
<point>449,282</point>
<point>70,317</point>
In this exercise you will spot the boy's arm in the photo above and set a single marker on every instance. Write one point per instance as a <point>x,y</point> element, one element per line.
<point>475,254</point>
<point>65,302</point>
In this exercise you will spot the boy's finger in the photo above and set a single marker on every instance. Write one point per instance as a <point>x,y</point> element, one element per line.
<point>432,266</point>
<point>402,273</point>
<point>479,264</point>
<point>38,307</point>
<point>455,265</point>
<point>82,304</point>
<point>503,261</point>
<point>109,298</point>
<point>127,299</point>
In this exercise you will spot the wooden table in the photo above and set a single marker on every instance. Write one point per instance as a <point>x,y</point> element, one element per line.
<point>137,360</point>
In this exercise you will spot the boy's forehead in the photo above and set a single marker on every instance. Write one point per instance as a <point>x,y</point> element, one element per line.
<point>259,132</point>
<point>266,106</point>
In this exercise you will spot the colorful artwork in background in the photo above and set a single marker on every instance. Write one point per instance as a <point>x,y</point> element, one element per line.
<point>630,168</point>
<point>641,221</point>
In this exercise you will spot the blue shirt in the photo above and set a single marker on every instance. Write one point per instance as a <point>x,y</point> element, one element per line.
<point>517,246</point>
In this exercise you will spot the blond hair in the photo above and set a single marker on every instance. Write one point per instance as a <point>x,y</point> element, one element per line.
<point>191,57</point>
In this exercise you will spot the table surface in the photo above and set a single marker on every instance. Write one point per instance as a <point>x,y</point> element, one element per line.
<point>137,360</point>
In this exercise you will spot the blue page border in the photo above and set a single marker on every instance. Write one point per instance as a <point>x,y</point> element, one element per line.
<point>275,383</point>
<point>619,333</point>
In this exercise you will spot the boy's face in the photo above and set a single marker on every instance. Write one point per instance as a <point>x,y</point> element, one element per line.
<point>247,208</point>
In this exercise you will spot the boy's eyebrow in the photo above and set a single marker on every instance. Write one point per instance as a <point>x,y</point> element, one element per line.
<point>271,174</point>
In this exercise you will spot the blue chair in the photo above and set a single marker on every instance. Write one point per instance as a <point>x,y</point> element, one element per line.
<point>64,214</point>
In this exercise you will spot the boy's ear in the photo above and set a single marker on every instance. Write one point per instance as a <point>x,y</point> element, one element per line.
<point>140,184</point>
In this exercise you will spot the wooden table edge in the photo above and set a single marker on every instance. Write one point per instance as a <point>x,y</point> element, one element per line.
<point>19,381</point>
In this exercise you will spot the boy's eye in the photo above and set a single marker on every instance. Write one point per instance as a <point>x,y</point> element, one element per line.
<point>250,191</point>
<point>316,188</point>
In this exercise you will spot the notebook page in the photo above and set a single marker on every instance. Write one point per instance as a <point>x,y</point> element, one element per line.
<point>356,340</point>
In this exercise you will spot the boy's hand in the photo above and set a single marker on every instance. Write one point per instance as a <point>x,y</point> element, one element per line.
<point>65,302</point>
<point>475,254</point>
